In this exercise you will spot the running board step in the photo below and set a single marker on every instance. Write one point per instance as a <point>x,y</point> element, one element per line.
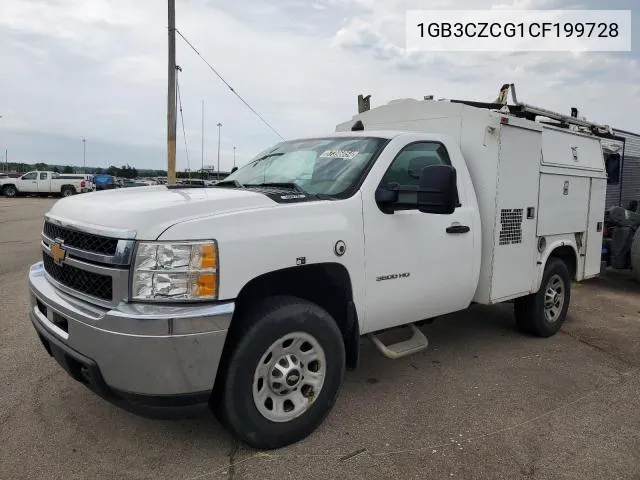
<point>416,343</point>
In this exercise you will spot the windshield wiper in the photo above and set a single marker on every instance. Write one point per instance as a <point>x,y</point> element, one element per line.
<point>230,183</point>
<point>292,186</point>
<point>288,185</point>
<point>268,155</point>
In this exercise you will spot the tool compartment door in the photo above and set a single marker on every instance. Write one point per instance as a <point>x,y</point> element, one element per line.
<point>593,248</point>
<point>564,204</point>
<point>514,249</point>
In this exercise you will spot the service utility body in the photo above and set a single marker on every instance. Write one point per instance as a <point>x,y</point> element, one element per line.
<point>250,297</point>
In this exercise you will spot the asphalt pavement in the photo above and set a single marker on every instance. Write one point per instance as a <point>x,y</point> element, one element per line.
<point>483,402</point>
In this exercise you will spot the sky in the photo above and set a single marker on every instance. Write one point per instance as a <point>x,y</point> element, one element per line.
<point>97,69</point>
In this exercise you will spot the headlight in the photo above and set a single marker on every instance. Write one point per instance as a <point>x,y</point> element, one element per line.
<point>175,271</point>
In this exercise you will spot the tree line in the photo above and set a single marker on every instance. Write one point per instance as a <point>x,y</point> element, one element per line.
<point>125,171</point>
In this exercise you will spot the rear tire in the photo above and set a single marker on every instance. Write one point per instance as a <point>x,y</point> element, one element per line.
<point>269,402</point>
<point>68,191</point>
<point>10,191</point>
<point>635,255</point>
<point>543,313</point>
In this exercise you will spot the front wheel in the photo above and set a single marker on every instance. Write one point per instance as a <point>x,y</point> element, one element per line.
<point>10,191</point>
<point>283,375</point>
<point>543,313</point>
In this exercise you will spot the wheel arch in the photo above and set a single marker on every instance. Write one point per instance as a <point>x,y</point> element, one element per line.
<point>565,250</point>
<point>8,185</point>
<point>326,284</point>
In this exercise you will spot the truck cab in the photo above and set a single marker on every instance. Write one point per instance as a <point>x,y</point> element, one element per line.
<point>250,298</point>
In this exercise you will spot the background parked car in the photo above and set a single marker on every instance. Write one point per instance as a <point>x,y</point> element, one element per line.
<point>105,182</point>
<point>197,182</point>
<point>127,183</point>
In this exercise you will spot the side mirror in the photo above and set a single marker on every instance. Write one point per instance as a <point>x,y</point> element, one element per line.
<point>438,191</point>
<point>386,197</point>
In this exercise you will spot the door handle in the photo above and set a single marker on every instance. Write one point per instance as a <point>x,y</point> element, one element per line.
<point>458,229</point>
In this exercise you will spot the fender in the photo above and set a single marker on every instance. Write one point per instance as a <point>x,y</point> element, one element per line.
<point>555,242</point>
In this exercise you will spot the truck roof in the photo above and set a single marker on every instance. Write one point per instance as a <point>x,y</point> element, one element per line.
<point>386,134</point>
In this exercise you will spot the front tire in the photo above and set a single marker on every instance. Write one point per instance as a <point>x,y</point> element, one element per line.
<point>10,191</point>
<point>283,375</point>
<point>543,313</point>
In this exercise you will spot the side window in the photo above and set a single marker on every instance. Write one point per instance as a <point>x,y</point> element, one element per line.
<point>30,176</point>
<point>612,164</point>
<point>43,175</point>
<point>405,169</point>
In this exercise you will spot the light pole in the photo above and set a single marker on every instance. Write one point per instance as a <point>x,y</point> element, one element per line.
<point>6,158</point>
<point>219,125</point>
<point>84,155</point>
<point>234,156</point>
<point>202,146</point>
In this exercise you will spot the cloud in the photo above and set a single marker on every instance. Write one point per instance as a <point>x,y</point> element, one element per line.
<point>604,84</point>
<point>98,70</point>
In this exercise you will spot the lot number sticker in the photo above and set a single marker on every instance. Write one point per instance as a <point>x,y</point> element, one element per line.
<point>343,154</point>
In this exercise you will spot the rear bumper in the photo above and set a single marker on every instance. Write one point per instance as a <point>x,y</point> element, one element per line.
<point>149,359</point>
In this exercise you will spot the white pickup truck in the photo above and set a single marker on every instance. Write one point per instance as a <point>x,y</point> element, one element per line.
<point>43,183</point>
<point>251,297</point>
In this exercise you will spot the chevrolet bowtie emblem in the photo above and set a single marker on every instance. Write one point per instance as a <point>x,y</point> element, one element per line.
<point>58,253</point>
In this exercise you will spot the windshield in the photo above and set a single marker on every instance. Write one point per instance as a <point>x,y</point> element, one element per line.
<point>326,166</point>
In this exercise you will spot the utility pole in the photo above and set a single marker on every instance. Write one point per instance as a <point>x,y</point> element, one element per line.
<point>219,125</point>
<point>234,156</point>
<point>6,159</point>
<point>171,97</point>
<point>202,147</point>
<point>84,155</point>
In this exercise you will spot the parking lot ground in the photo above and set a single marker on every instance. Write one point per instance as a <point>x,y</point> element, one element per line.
<point>483,402</point>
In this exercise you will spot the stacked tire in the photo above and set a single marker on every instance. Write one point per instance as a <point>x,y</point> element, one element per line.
<point>635,255</point>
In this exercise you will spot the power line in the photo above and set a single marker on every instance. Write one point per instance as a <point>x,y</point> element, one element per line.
<point>228,85</point>
<point>184,133</point>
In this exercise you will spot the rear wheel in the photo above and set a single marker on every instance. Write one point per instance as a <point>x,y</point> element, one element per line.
<point>67,191</point>
<point>283,375</point>
<point>543,313</point>
<point>10,191</point>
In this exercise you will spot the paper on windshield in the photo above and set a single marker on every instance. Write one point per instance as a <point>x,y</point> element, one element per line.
<point>342,154</point>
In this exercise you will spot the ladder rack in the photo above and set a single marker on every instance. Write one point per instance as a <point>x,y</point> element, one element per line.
<point>521,110</point>
<point>531,112</point>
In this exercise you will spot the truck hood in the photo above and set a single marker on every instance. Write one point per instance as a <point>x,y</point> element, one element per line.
<point>148,211</point>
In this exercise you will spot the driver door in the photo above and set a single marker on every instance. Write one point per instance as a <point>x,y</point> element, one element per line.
<point>417,266</point>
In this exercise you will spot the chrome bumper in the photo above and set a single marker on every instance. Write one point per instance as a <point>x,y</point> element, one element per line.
<point>135,350</point>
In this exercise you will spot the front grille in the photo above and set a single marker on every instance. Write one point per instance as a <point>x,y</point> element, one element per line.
<point>81,240</point>
<point>89,283</point>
